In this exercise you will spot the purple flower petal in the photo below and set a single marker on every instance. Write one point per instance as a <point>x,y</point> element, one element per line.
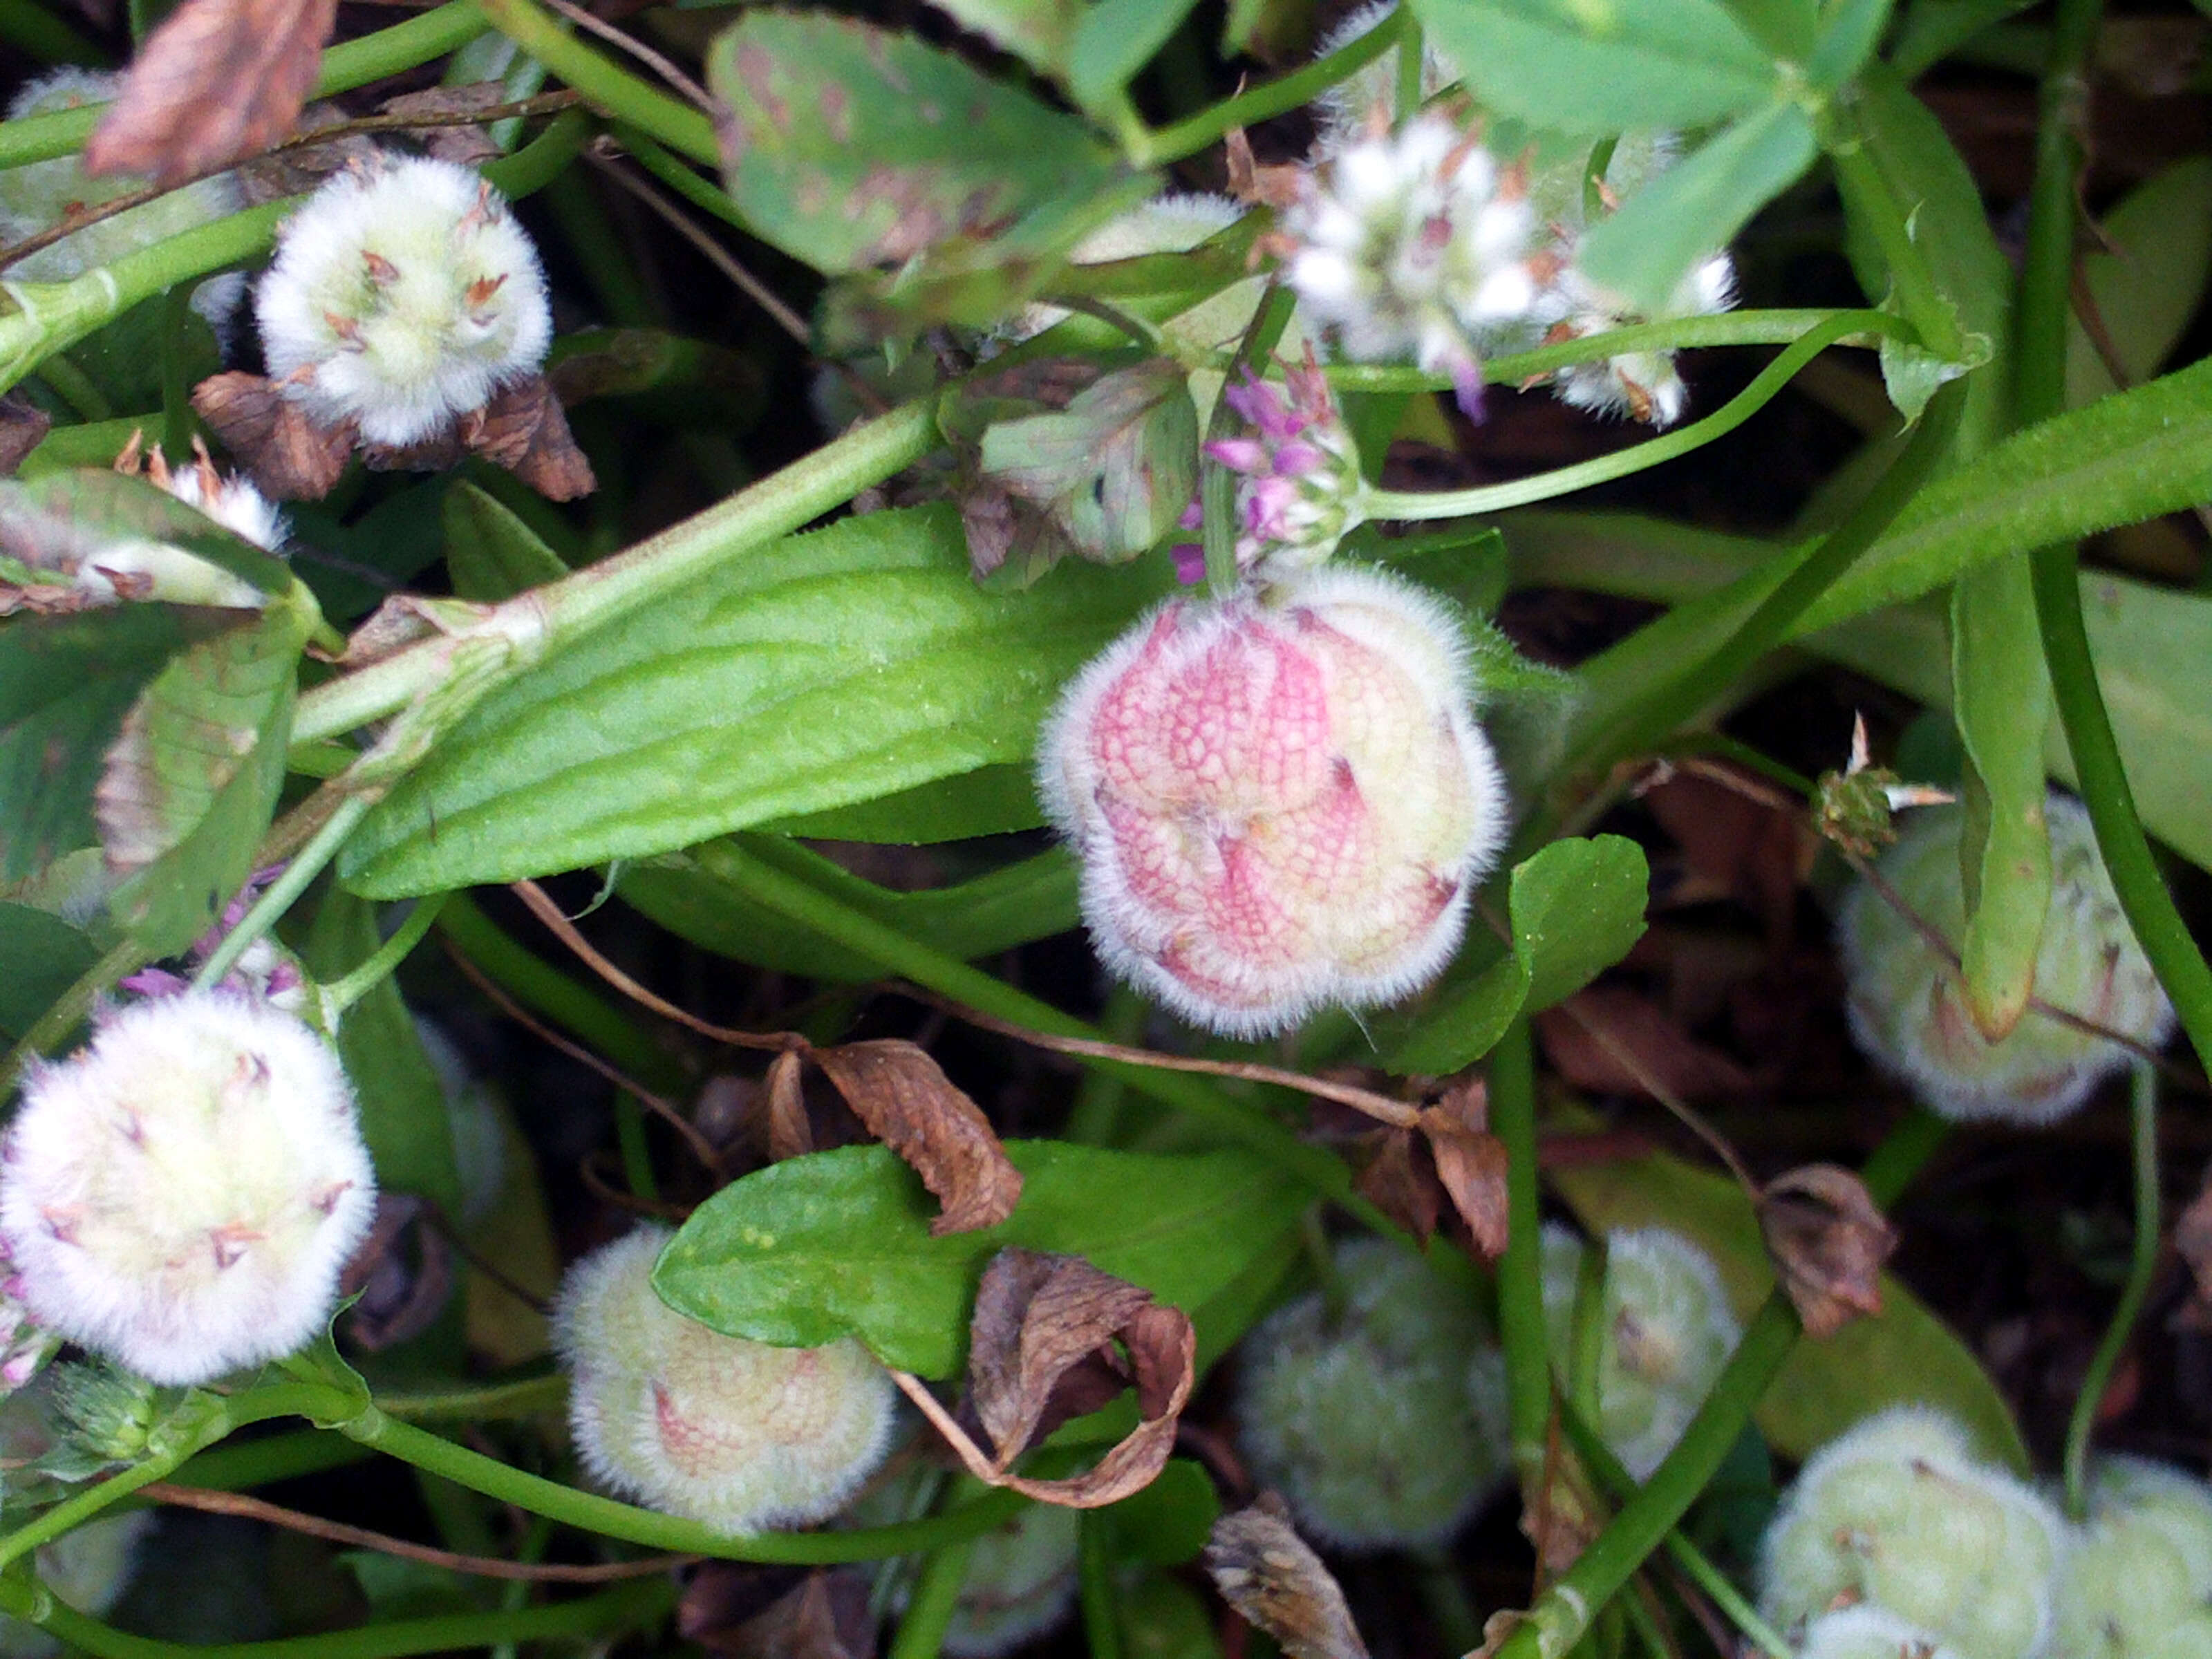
<point>1189,563</point>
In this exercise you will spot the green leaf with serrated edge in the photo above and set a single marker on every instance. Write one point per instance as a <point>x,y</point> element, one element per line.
<point>851,147</point>
<point>490,552</point>
<point>42,956</point>
<point>2001,696</point>
<point>1576,907</point>
<point>1033,899</point>
<point>1904,1354</point>
<point>2146,278</point>
<point>66,683</point>
<point>1116,468</point>
<point>821,671</point>
<point>403,1115</point>
<point>53,520</point>
<point>191,782</point>
<point>837,1244</point>
<point>991,800</point>
<point>1600,67</point>
<point>1645,251</point>
<point>1114,40</point>
<point>2150,644</point>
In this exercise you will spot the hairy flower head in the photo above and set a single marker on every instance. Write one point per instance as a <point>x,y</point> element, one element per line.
<point>1908,1008</point>
<point>1644,386</point>
<point>1346,111</point>
<point>1667,1331</point>
<point>1898,1514</point>
<point>1384,1425</point>
<point>2137,1582</point>
<point>180,1195</point>
<point>403,295</point>
<point>1279,801</point>
<point>1414,244</point>
<point>1300,488</point>
<point>736,1435</point>
<point>1866,1632</point>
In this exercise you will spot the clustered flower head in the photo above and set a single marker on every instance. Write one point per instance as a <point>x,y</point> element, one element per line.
<point>1868,1632</point>
<point>734,1434</point>
<point>1415,244</point>
<point>41,194</point>
<point>1300,488</point>
<point>1897,1514</point>
<point>1349,108</point>
<point>1646,386</point>
<point>180,1195</point>
<point>1908,1008</point>
<point>1382,1421</point>
<point>403,295</point>
<point>2137,1582</point>
<point>1280,798</point>
<point>1668,1332</point>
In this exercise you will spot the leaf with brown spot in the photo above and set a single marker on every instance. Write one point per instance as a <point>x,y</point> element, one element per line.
<point>1470,1162</point>
<point>912,1107</point>
<point>1828,1242</point>
<point>525,429</point>
<point>824,1616</point>
<point>1273,1579</point>
<point>287,455</point>
<point>218,80</point>
<point>1053,1338</point>
<point>23,428</point>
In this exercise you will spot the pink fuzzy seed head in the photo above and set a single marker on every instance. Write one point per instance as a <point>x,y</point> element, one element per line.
<point>1279,804</point>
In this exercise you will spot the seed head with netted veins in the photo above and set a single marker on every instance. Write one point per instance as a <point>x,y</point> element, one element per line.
<point>1280,799</point>
<point>180,1195</point>
<point>403,295</point>
<point>736,1435</point>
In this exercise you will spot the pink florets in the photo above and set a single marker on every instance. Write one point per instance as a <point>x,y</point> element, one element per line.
<point>1279,804</point>
<point>1301,485</point>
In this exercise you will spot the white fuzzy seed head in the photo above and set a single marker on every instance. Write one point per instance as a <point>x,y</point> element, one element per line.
<point>1868,1632</point>
<point>1020,1583</point>
<point>734,1434</point>
<point>1386,1428</point>
<point>180,1195</point>
<point>1279,803</point>
<point>1642,386</point>
<point>402,295</point>
<point>1669,1331</point>
<point>1346,111</point>
<point>38,196</point>
<point>1414,244</point>
<point>1908,1008</point>
<point>2137,1582</point>
<point>1898,1513</point>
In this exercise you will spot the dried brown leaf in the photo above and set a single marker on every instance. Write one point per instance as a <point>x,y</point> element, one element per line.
<point>218,80</point>
<point>1470,1163</point>
<point>1828,1242</point>
<point>790,1133</point>
<point>298,168</point>
<point>2192,1241</point>
<point>909,1105</point>
<point>404,1272</point>
<point>824,1616</point>
<point>1251,180</point>
<point>23,428</point>
<point>1612,1040</point>
<point>1735,845</point>
<point>468,145</point>
<point>286,454</point>
<point>525,429</point>
<point>1401,1181</point>
<point>1273,1579</point>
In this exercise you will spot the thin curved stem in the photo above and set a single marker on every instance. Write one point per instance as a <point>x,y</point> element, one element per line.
<point>2142,1263</point>
<point>1187,136</point>
<point>279,896</point>
<point>342,993</point>
<point>603,83</point>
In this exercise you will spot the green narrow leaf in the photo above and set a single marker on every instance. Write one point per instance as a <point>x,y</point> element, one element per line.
<point>1904,1354</point>
<point>2001,693</point>
<point>490,552</point>
<point>404,1117</point>
<point>1602,67</point>
<point>819,671</point>
<point>191,782</point>
<point>42,956</point>
<point>991,800</point>
<point>1576,907</point>
<point>1645,251</point>
<point>65,685</point>
<point>1034,899</point>
<point>1852,30</point>
<point>2147,280</point>
<point>837,1244</point>
<point>851,147</point>
<point>1115,40</point>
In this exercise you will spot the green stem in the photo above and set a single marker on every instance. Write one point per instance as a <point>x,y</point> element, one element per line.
<point>1520,1269</point>
<point>278,897</point>
<point>2142,1263</point>
<point>259,1462</point>
<point>611,1519</point>
<point>2043,304</point>
<point>1094,1567</point>
<point>936,1598</point>
<point>1873,203</point>
<point>605,85</point>
<point>430,34</point>
<point>1186,137</point>
<point>528,1396</point>
<point>341,994</point>
<point>1413,505</point>
<point>607,1614</point>
<point>777,505</point>
<point>817,911</point>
